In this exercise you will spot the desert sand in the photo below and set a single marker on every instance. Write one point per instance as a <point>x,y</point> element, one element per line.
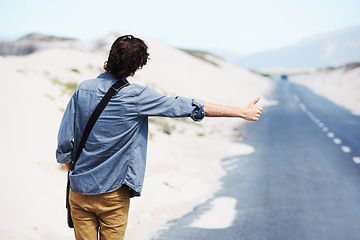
<point>340,85</point>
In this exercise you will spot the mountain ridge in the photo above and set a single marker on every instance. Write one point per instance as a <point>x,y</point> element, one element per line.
<point>318,51</point>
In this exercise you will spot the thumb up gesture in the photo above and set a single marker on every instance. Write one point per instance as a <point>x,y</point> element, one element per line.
<point>252,112</point>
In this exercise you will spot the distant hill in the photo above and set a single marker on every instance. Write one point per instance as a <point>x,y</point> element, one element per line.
<point>319,51</point>
<point>35,42</point>
<point>31,43</point>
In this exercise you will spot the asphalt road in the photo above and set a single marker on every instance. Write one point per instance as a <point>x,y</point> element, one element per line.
<point>302,182</point>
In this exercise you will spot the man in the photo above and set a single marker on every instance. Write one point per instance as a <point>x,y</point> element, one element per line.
<point>111,167</point>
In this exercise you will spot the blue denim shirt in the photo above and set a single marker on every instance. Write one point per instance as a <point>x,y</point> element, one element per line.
<point>115,151</point>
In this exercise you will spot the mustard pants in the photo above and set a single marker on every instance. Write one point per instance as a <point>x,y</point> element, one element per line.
<point>102,215</point>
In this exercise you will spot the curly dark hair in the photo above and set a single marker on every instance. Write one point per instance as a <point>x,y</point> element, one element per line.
<point>126,56</point>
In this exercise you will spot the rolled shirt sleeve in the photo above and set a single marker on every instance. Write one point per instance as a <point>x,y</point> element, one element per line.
<point>198,113</point>
<point>152,103</point>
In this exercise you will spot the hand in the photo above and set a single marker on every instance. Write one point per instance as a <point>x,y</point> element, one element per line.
<point>68,166</point>
<point>251,111</point>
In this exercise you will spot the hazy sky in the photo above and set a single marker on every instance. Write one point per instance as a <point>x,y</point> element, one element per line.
<point>236,25</point>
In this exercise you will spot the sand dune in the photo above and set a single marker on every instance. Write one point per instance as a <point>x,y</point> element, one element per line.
<point>340,85</point>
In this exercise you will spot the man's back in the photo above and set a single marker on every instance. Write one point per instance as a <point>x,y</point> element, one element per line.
<point>115,152</point>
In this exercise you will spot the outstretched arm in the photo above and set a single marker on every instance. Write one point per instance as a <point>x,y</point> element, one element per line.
<point>251,112</point>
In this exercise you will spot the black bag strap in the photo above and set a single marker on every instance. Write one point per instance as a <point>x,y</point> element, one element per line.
<point>114,89</point>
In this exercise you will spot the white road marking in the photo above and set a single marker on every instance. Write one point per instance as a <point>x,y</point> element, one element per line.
<point>220,216</point>
<point>331,135</point>
<point>296,98</point>
<point>356,160</point>
<point>346,149</point>
<point>302,106</point>
<point>317,121</point>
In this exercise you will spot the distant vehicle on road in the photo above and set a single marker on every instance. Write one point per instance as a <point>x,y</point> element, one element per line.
<point>284,77</point>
